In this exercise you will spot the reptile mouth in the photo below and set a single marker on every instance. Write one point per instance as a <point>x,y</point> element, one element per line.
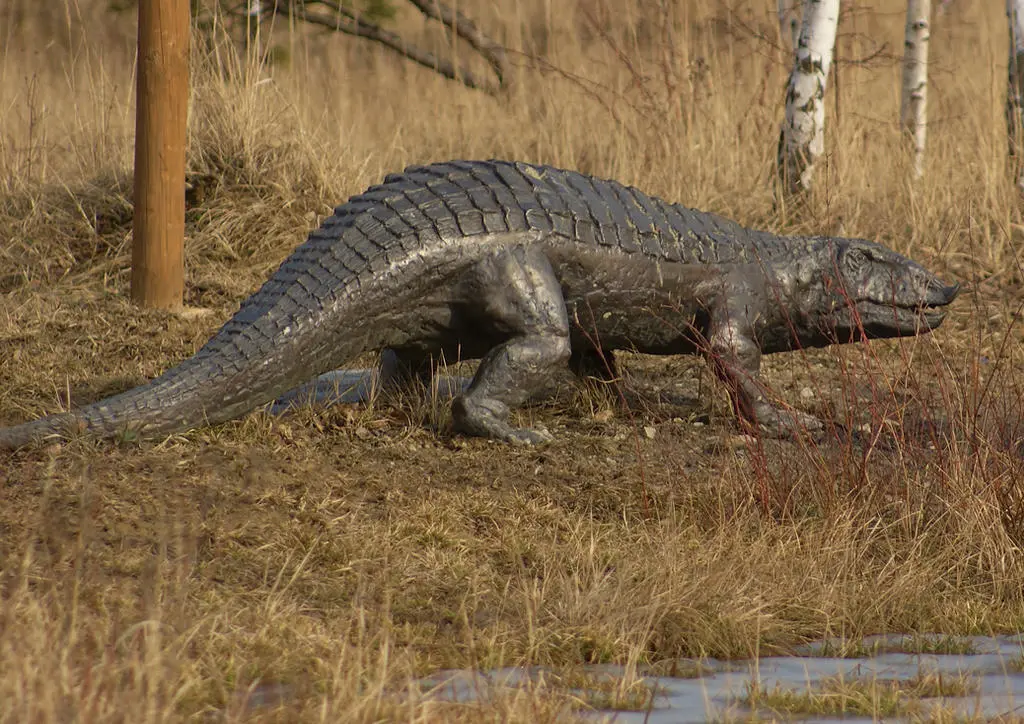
<point>894,320</point>
<point>934,310</point>
<point>932,315</point>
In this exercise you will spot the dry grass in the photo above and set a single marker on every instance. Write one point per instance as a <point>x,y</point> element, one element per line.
<point>874,697</point>
<point>324,560</point>
<point>917,644</point>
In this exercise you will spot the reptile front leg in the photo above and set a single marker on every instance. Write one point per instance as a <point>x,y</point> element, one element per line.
<point>736,359</point>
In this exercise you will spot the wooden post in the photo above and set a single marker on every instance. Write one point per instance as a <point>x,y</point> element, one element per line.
<point>158,266</point>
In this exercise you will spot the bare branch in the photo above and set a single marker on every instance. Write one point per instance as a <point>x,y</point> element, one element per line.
<point>466,29</point>
<point>343,20</point>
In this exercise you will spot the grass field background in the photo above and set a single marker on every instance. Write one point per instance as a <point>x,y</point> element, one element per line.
<point>336,555</point>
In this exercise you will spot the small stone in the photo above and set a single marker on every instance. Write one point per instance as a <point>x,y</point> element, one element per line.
<point>650,431</point>
<point>807,393</point>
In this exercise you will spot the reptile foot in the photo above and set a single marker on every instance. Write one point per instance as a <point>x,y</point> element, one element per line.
<point>785,424</point>
<point>490,420</point>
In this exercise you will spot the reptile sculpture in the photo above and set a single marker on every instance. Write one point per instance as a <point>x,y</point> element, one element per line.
<point>522,266</point>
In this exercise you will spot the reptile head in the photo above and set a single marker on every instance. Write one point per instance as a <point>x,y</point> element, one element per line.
<point>875,292</point>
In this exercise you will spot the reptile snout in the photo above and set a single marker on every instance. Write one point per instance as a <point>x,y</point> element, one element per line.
<point>939,294</point>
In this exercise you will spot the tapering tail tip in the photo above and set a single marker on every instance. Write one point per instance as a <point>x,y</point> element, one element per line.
<point>37,431</point>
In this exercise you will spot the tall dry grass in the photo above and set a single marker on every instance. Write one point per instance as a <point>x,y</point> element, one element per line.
<point>323,561</point>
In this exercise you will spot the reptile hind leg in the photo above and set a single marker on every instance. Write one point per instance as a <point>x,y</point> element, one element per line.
<point>517,293</point>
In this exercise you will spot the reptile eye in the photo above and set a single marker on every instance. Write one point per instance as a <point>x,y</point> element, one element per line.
<point>855,260</point>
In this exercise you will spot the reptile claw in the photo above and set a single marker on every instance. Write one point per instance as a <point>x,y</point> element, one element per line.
<point>529,436</point>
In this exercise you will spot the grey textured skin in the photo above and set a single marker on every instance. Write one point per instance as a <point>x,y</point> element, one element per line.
<point>522,266</point>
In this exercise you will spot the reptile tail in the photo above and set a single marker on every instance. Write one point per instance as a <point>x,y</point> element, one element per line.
<point>244,366</point>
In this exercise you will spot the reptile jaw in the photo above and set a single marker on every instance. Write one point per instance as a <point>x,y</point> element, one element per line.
<point>939,296</point>
<point>876,320</point>
<point>931,316</point>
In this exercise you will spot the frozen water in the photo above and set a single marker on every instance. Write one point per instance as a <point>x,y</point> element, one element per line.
<point>717,693</point>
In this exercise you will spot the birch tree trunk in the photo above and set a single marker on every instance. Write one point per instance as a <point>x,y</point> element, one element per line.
<point>253,44</point>
<point>914,102</point>
<point>802,141</point>
<point>1015,90</point>
<point>789,22</point>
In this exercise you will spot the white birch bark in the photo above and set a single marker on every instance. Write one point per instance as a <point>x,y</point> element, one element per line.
<point>802,141</point>
<point>914,101</point>
<point>253,16</point>
<point>1015,90</point>
<point>789,22</point>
